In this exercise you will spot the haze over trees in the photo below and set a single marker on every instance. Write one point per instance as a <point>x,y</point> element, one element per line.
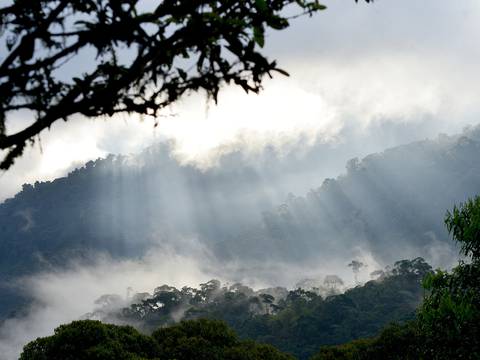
<point>296,321</point>
<point>240,219</point>
<point>356,266</point>
<point>387,204</point>
<point>447,322</point>
<point>446,325</point>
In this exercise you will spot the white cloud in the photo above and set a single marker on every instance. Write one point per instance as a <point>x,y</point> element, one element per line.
<point>353,66</point>
<point>61,296</point>
<point>413,63</point>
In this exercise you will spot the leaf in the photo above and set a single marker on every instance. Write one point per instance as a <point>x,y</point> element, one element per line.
<point>261,5</point>
<point>258,35</point>
<point>277,23</point>
<point>317,7</point>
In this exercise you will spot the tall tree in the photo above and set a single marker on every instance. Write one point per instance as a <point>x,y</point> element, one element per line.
<point>448,321</point>
<point>356,267</point>
<point>449,318</point>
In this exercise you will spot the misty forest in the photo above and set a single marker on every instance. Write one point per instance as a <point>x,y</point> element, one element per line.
<point>265,179</point>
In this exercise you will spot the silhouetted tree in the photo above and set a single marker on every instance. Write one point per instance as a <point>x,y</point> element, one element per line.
<point>356,267</point>
<point>140,60</point>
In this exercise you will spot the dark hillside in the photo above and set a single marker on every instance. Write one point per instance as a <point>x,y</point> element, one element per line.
<point>389,205</point>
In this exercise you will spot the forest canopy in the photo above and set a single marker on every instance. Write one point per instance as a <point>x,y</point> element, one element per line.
<point>201,339</point>
<point>445,326</point>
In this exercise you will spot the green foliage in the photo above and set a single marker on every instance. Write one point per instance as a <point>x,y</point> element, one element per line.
<point>396,342</point>
<point>448,322</point>
<point>201,337</point>
<point>449,318</point>
<point>297,321</point>
<point>200,340</point>
<point>464,225</point>
<point>305,321</point>
<point>37,224</point>
<point>210,340</point>
<point>89,340</point>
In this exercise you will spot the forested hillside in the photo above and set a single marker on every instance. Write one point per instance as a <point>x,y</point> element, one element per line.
<point>297,321</point>
<point>445,325</point>
<point>389,205</point>
<point>239,180</point>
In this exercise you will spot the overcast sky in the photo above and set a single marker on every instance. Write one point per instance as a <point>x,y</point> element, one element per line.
<point>386,73</point>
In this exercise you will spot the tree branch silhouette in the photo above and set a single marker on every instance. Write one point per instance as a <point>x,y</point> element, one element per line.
<point>136,60</point>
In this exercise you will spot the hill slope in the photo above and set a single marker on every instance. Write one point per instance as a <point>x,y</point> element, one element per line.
<point>388,205</point>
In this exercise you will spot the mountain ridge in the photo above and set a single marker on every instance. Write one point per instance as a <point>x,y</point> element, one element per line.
<point>387,206</point>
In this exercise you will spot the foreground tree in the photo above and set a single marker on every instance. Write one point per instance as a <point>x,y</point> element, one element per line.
<point>86,340</point>
<point>448,322</point>
<point>210,340</point>
<point>200,339</point>
<point>140,58</point>
<point>450,316</point>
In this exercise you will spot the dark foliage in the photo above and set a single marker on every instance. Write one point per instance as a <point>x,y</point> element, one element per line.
<point>396,342</point>
<point>141,60</point>
<point>447,323</point>
<point>297,321</point>
<point>87,340</point>
<point>201,339</point>
<point>307,322</point>
<point>210,340</point>
<point>449,319</point>
<point>114,206</point>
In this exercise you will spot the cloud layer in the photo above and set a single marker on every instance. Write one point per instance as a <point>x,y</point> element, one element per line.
<point>61,297</point>
<point>409,65</point>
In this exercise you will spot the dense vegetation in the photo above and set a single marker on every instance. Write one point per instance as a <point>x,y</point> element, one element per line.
<point>447,325</point>
<point>202,340</point>
<point>387,203</point>
<point>296,321</point>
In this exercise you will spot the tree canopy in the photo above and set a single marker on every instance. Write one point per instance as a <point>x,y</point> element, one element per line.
<point>447,322</point>
<point>140,57</point>
<point>298,321</point>
<point>201,339</point>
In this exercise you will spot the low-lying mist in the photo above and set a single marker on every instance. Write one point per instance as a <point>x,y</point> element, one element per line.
<point>131,223</point>
<point>60,296</point>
